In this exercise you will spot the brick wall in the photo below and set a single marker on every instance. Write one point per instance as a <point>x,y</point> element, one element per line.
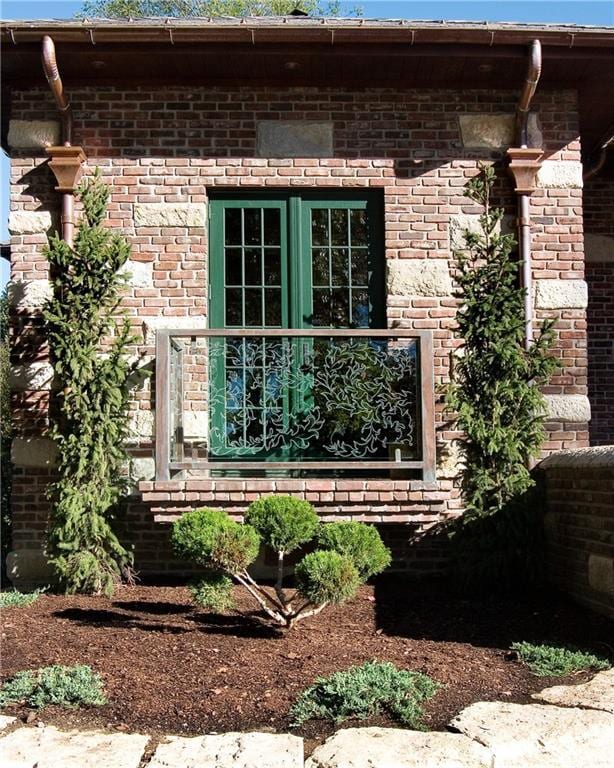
<point>580,524</point>
<point>171,147</point>
<point>599,228</point>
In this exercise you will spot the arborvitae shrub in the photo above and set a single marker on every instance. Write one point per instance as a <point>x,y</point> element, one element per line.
<point>283,522</point>
<point>361,543</point>
<point>327,577</point>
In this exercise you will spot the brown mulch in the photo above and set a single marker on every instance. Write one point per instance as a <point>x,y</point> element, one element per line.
<point>170,668</point>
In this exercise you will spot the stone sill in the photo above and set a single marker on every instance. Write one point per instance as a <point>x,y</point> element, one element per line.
<point>598,457</point>
<point>257,485</point>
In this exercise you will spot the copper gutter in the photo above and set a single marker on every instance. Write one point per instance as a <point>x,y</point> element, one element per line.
<point>524,196</point>
<point>59,162</point>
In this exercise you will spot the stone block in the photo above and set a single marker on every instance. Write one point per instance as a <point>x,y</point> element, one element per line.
<point>142,468</point>
<point>196,424</point>
<point>164,323</point>
<point>461,222</point>
<point>33,452</point>
<point>139,273</point>
<point>33,134</point>
<point>595,457</point>
<point>419,277</point>
<point>560,174</point>
<point>495,131</point>
<point>29,222</point>
<point>601,579</point>
<point>28,568</point>
<point>598,249</point>
<point>522,735</point>
<point>397,748</point>
<point>597,693</point>
<point>27,295</point>
<point>141,426</point>
<point>294,138</point>
<point>561,294</point>
<point>34,376</point>
<point>170,215</point>
<point>49,747</point>
<point>230,750</point>
<point>6,721</point>
<point>570,408</point>
<point>449,461</point>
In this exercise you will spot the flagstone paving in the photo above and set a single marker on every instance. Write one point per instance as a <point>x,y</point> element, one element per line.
<point>574,729</point>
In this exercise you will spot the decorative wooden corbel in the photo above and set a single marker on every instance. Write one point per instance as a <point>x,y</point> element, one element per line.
<point>523,167</point>
<point>66,164</point>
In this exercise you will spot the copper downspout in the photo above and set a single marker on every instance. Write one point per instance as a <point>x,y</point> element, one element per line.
<point>524,213</point>
<point>52,74</point>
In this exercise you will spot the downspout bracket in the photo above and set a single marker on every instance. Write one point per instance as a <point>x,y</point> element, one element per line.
<point>67,166</point>
<point>523,167</point>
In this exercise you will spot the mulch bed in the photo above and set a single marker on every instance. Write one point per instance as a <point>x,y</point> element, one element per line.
<point>170,668</point>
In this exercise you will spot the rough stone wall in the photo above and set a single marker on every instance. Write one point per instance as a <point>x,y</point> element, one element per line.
<point>163,151</point>
<point>580,524</point>
<point>599,234</point>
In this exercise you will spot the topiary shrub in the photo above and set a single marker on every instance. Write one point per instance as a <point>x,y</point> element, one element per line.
<point>347,557</point>
<point>365,691</point>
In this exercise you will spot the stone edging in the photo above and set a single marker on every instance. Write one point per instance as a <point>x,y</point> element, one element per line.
<point>589,458</point>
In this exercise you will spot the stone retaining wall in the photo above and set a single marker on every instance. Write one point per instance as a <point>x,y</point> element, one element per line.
<point>580,524</point>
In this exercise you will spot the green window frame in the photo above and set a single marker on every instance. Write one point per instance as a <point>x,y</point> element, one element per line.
<point>286,260</point>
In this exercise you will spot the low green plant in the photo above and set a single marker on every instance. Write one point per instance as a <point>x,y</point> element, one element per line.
<point>364,691</point>
<point>554,661</point>
<point>346,557</point>
<point>64,686</point>
<point>14,599</point>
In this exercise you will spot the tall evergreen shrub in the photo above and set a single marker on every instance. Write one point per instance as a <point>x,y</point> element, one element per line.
<point>88,347</point>
<point>495,388</point>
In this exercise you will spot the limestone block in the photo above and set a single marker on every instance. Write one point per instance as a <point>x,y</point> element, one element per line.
<point>165,322</point>
<point>598,249</point>
<point>396,748</point>
<point>169,215</point>
<point>598,693</point>
<point>28,295</point>
<point>495,131</point>
<point>571,408</point>
<point>141,426</point>
<point>28,568</point>
<point>294,138</point>
<point>30,134</point>
<point>33,452</point>
<point>142,468</point>
<point>560,174</point>
<point>5,721</point>
<point>419,277</point>
<point>50,748</point>
<point>450,461</point>
<point>139,273</point>
<point>598,456</point>
<point>561,294</point>
<point>32,376</point>
<point>460,222</point>
<point>522,735</point>
<point>29,222</point>
<point>230,750</point>
<point>196,424</point>
<point>601,577</point>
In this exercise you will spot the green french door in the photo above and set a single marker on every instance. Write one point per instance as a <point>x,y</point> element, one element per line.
<point>283,261</point>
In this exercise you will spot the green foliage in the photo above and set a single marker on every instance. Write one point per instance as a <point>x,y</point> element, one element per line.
<point>6,428</point>
<point>189,8</point>
<point>327,577</point>
<point>64,686</point>
<point>365,691</point>
<point>89,348</point>
<point>495,389</point>
<point>213,592</point>
<point>208,537</point>
<point>14,599</point>
<point>283,522</point>
<point>361,543</point>
<point>553,661</point>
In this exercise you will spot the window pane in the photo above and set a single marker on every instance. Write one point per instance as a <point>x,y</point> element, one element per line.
<point>319,226</point>
<point>360,274</point>
<point>233,274</point>
<point>232,226</point>
<point>234,305</point>
<point>272,306</point>
<point>272,234</point>
<point>252,226</point>
<point>321,307</point>
<point>272,266</point>
<point>339,226</point>
<point>253,266</point>
<point>340,271</point>
<point>360,309</point>
<point>358,226</point>
<point>253,306</point>
<point>320,274</point>
<point>340,308</point>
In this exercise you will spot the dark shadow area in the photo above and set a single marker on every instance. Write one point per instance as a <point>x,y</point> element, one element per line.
<point>115,620</point>
<point>158,609</point>
<point>238,625</point>
<point>436,611</point>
